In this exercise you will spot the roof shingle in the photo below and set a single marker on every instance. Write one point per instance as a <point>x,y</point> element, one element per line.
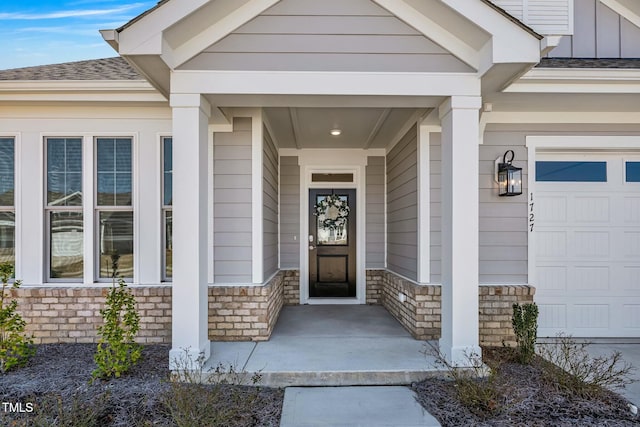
<point>96,69</point>
<point>589,63</point>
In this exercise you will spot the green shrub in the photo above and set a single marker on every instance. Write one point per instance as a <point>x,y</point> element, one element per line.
<point>574,371</point>
<point>525,326</point>
<point>117,350</point>
<point>15,347</point>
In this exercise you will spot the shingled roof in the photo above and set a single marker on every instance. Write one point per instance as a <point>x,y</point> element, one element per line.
<point>96,69</point>
<point>589,63</point>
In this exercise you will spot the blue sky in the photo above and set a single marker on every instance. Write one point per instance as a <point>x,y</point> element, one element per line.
<point>38,32</point>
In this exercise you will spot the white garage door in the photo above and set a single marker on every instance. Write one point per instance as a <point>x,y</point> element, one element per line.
<point>587,244</point>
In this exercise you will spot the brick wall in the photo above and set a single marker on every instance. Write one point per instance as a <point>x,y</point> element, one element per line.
<point>496,309</point>
<point>374,286</point>
<point>245,313</point>
<point>291,287</point>
<point>72,315</point>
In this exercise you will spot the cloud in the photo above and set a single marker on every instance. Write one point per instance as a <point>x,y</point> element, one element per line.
<point>78,13</point>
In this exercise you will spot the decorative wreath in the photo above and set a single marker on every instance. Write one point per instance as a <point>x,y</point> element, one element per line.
<point>332,212</point>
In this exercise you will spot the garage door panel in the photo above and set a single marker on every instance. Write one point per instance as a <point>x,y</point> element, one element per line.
<point>587,251</point>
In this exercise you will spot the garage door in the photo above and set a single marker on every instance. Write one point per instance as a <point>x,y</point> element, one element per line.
<point>587,244</point>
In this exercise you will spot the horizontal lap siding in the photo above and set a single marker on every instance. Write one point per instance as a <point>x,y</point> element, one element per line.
<point>289,212</point>
<point>402,207</point>
<point>328,35</point>
<point>375,212</point>
<point>270,205</point>
<point>232,204</point>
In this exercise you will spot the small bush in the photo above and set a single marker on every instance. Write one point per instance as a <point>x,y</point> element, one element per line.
<point>525,327</point>
<point>475,386</point>
<point>117,350</point>
<point>574,371</point>
<point>15,347</point>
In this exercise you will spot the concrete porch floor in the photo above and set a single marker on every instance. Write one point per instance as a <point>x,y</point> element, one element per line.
<point>330,345</point>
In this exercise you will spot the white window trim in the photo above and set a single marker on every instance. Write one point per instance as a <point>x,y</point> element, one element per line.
<point>17,199</point>
<point>163,211</point>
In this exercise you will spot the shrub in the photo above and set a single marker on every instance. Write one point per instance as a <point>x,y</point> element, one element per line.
<point>525,327</point>
<point>574,371</point>
<point>117,351</point>
<point>15,347</point>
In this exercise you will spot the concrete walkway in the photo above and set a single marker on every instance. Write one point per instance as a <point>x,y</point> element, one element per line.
<point>353,406</point>
<point>326,345</point>
<point>631,354</point>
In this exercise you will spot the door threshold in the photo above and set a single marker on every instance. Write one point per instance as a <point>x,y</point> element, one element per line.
<point>333,301</point>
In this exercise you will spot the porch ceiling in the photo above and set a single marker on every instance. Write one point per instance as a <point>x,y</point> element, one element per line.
<point>364,128</point>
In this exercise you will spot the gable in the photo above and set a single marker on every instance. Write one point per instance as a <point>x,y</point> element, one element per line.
<point>328,35</point>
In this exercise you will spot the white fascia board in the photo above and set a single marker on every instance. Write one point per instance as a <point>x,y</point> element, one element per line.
<point>433,31</point>
<point>104,91</point>
<point>629,10</point>
<point>145,35</point>
<point>560,117</point>
<point>510,42</point>
<point>219,30</point>
<point>324,83</point>
<point>572,80</point>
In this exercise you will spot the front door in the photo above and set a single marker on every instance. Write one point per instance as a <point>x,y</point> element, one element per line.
<point>332,243</point>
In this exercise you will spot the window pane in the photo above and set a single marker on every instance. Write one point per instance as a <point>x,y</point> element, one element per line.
<point>333,224</point>
<point>168,171</point>
<point>168,245</point>
<point>571,171</point>
<point>64,172</point>
<point>7,237</point>
<point>66,250</point>
<point>114,172</point>
<point>6,171</point>
<point>632,171</point>
<point>116,244</point>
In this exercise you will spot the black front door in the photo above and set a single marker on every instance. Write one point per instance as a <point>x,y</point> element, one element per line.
<point>332,243</point>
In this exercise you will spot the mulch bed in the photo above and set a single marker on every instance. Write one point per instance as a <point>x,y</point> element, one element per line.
<point>526,399</point>
<point>56,382</point>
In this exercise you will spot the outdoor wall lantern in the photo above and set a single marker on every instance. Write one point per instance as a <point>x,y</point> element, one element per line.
<point>509,177</point>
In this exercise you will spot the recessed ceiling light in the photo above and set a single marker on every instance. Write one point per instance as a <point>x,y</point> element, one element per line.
<point>336,132</point>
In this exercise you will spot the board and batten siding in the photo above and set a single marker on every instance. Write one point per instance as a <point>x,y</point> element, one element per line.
<point>375,175</point>
<point>289,212</point>
<point>232,204</point>
<point>402,206</point>
<point>270,205</point>
<point>599,32</point>
<point>502,220</point>
<point>327,35</point>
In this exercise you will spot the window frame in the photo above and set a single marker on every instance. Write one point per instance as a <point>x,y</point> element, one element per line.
<point>98,209</point>
<point>48,210</point>
<point>165,208</point>
<point>12,208</point>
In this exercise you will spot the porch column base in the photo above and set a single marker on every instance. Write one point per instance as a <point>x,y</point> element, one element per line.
<point>189,359</point>
<point>461,357</point>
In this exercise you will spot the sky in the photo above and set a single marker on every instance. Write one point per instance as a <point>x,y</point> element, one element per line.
<point>39,32</point>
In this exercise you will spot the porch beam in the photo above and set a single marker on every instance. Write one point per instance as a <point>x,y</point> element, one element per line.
<point>460,229</point>
<point>191,115</point>
<point>325,83</point>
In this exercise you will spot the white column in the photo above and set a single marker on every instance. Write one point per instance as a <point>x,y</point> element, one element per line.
<point>424,202</point>
<point>460,138</point>
<point>190,207</point>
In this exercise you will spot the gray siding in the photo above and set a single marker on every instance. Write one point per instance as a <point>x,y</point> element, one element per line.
<point>599,32</point>
<point>327,35</point>
<point>289,212</point>
<point>402,206</point>
<point>503,220</point>
<point>270,205</point>
<point>232,204</point>
<point>375,212</point>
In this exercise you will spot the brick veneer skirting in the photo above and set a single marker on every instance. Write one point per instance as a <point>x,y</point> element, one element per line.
<point>72,315</point>
<point>291,287</point>
<point>420,313</point>
<point>245,313</point>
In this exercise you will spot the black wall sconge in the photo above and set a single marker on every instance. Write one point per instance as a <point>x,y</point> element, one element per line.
<point>509,177</point>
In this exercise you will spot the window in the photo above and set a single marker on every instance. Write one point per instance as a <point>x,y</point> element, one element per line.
<point>7,207</point>
<point>114,207</point>
<point>571,171</point>
<point>64,208</point>
<point>167,202</point>
<point>632,171</point>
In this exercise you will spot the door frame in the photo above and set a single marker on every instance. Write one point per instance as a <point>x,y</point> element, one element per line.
<point>325,161</point>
